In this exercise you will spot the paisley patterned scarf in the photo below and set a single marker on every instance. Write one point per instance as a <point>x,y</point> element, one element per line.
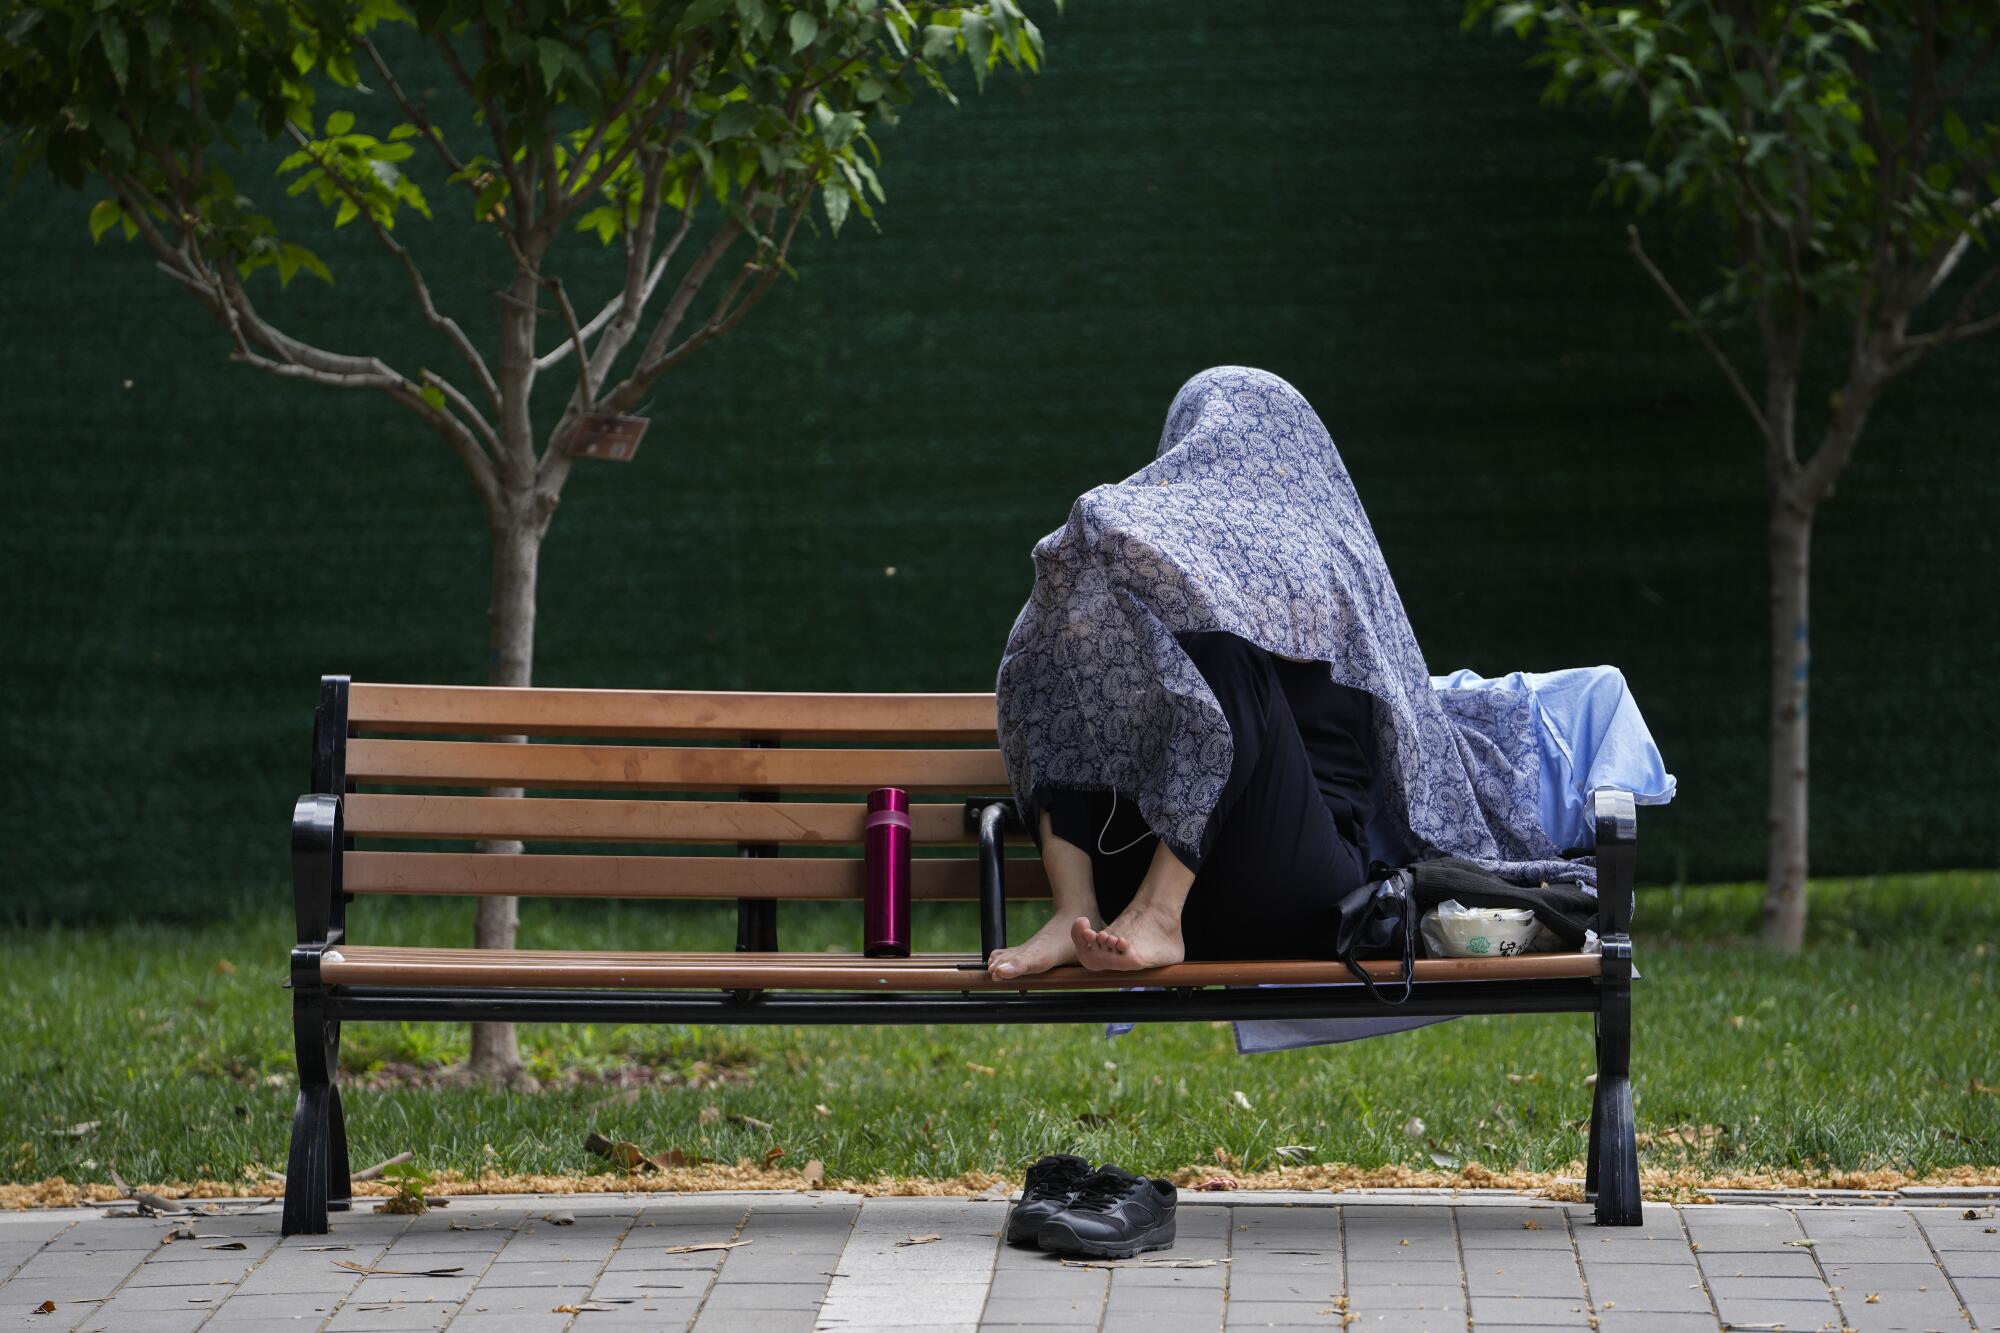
<point>1247,521</point>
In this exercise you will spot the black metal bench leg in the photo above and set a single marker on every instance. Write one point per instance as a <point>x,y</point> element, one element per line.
<point>1615,1136</point>
<point>1596,1109</point>
<point>339,1172</point>
<point>316,1125</point>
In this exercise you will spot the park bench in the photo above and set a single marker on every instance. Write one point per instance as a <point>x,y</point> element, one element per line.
<point>399,771</point>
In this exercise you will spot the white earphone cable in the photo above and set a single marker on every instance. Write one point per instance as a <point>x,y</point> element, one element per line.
<point>1107,828</point>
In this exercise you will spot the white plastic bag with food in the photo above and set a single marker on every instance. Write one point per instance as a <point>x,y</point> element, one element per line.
<point>1451,930</point>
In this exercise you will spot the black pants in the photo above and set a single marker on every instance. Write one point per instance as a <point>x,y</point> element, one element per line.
<point>1275,863</point>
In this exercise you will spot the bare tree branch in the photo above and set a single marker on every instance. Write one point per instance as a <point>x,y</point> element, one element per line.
<point>586,395</point>
<point>1942,270</point>
<point>1715,353</point>
<point>416,113</point>
<point>1960,327</point>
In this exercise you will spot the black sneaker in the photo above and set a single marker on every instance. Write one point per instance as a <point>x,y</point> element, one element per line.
<point>1115,1215</point>
<point>1051,1184</point>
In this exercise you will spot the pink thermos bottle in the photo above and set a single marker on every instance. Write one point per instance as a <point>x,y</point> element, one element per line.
<point>885,854</point>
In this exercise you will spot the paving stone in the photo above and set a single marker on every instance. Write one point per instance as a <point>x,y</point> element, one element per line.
<point>377,1290</point>
<point>204,1297</point>
<point>198,1273</point>
<point>276,1308</point>
<point>632,1256</point>
<point>1125,1299</point>
<point>1621,1321</point>
<point>1632,1249</point>
<point>144,1321</point>
<point>270,1279</point>
<point>404,1315</point>
<point>1285,1314</point>
<point>1273,1287</point>
<point>573,1273</point>
<point>1970,1263</point>
<point>1729,1289</point>
<point>1409,1321</point>
<point>1217,1277</point>
<point>1157,1321</point>
<point>650,1284</point>
<point>1786,1263</point>
<point>1530,1311</point>
<point>1076,1283</point>
<point>1794,1315</point>
<point>500,1300</point>
<point>1979,1290</point>
<point>757,1321</point>
<point>544,1322</point>
<point>1887,1250</point>
<point>1362,1296</point>
<point>1878,1277</point>
<point>1522,1272</point>
<point>1658,1288</point>
<point>1903,1310</point>
<point>1040,1310</point>
<point>766,1296</point>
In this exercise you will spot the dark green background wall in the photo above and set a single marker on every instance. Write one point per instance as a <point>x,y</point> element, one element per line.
<point>1354,195</point>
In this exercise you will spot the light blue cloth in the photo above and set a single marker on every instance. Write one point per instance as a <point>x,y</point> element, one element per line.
<point>1588,733</point>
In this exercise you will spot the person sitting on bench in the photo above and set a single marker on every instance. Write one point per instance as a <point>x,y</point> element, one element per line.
<point>1215,714</point>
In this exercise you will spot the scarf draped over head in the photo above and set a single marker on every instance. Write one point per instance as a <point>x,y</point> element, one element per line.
<point>1247,521</point>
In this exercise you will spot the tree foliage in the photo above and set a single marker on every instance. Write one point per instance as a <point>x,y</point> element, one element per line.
<point>1830,138</point>
<point>617,119</point>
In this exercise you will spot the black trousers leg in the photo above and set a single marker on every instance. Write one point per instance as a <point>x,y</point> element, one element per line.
<point>1274,863</point>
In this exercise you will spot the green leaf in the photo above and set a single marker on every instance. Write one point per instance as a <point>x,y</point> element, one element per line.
<point>552,56</point>
<point>1954,130</point>
<point>112,38</point>
<point>340,122</point>
<point>104,215</point>
<point>938,41</point>
<point>803,28</point>
<point>434,397</point>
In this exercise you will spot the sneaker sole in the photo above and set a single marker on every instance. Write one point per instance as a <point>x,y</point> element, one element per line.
<point>1159,1238</point>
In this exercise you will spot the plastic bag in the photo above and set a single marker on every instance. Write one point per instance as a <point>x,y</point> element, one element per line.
<point>1451,930</point>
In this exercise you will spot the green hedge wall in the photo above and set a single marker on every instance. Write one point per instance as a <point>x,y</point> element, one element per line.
<point>1356,196</point>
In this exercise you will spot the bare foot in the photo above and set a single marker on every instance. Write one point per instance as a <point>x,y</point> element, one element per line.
<point>1051,946</point>
<point>1140,937</point>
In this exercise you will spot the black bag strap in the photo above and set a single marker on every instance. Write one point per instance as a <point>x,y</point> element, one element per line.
<point>1393,890</point>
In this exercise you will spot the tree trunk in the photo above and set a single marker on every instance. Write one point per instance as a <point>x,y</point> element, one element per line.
<point>517,549</point>
<point>1791,566</point>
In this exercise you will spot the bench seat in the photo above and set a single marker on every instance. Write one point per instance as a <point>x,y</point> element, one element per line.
<point>377,965</point>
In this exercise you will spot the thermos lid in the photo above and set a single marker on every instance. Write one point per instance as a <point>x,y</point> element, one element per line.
<point>888,798</point>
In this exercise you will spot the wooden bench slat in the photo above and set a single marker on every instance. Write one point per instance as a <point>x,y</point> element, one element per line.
<point>362,965</point>
<point>556,819</point>
<point>667,714</point>
<point>670,768</point>
<point>531,875</point>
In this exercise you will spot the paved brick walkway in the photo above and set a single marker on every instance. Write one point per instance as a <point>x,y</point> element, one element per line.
<point>835,1262</point>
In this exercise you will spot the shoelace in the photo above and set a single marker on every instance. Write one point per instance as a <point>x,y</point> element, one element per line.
<point>1057,1180</point>
<point>1101,1192</point>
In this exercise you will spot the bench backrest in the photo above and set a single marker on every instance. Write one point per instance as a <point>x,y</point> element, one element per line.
<point>737,776</point>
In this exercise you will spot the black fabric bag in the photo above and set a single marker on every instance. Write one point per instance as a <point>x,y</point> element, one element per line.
<point>1378,919</point>
<point>1565,909</point>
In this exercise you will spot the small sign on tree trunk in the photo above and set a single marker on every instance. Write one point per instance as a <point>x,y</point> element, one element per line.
<point>602,435</point>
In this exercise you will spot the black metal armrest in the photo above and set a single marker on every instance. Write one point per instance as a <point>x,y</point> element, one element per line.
<point>318,903</point>
<point>990,819</point>
<point>1617,819</point>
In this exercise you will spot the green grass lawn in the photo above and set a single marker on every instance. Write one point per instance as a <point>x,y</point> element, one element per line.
<point>1875,1049</point>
